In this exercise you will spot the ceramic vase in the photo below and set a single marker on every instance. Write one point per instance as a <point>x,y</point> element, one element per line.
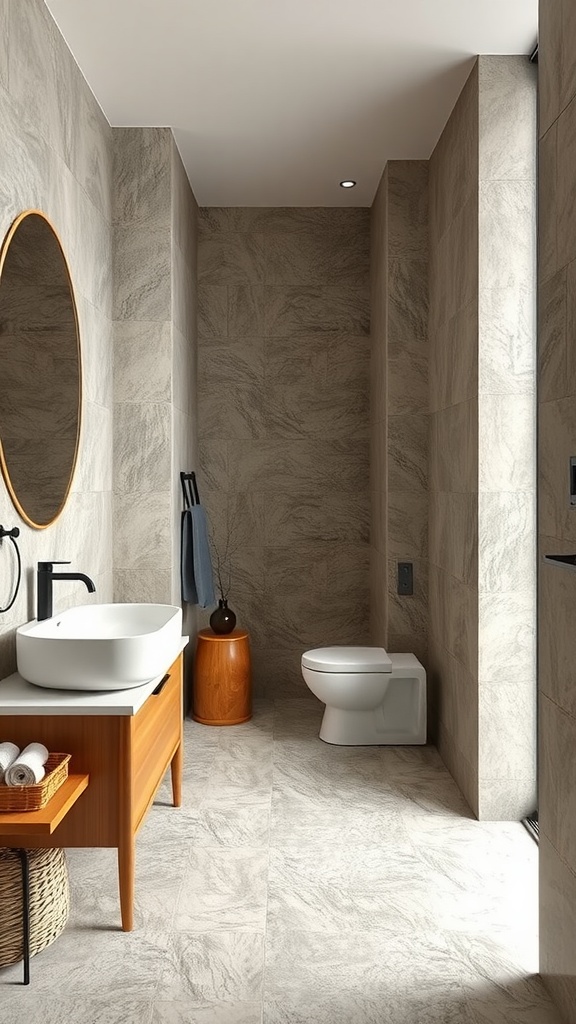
<point>223,619</point>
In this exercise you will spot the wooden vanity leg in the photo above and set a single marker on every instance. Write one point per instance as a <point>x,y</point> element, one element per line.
<point>126,867</point>
<point>176,772</point>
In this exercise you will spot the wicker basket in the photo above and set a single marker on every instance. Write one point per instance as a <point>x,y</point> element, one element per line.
<point>49,901</point>
<point>33,798</point>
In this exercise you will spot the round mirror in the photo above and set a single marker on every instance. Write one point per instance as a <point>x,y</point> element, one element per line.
<point>40,377</point>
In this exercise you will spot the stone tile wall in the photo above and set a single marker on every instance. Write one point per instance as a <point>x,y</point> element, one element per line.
<point>557,520</point>
<point>482,465</point>
<point>453,537</point>
<point>143,364</point>
<point>154,372</point>
<point>507,435</point>
<point>399,405</point>
<point>283,423</point>
<point>56,155</point>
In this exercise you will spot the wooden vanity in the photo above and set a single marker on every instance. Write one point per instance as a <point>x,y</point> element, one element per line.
<point>124,740</point>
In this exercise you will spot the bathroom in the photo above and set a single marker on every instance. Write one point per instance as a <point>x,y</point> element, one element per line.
<point>341,429</point>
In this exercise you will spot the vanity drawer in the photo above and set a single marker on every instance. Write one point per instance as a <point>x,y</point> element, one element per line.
<point>156,733</point>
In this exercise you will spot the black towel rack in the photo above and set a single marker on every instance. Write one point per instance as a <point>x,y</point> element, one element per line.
<point>189,489</point>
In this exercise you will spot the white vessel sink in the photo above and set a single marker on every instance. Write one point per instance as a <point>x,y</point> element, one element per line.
<point>100,646</point>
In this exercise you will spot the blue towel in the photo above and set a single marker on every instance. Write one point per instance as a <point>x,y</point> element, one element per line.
<point>196,564</point>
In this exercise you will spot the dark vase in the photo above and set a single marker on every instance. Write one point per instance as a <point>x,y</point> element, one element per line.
<point>223,619</point>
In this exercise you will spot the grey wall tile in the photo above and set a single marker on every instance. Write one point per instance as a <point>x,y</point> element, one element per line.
<point>557,921</point>
<point>326,259</point>
<point>231,259</point>
<point>565,213</point>
<point>212,311</point>
<point>408,208</point>
<point>283,420</point>
<point>142,432</point>
<point>408,452</point>
<point>548,204</point>
<point>142,272</point>
<point>142,176</point>
<point>311,309</point>
<point>142,361</point>
<point>49,160</point>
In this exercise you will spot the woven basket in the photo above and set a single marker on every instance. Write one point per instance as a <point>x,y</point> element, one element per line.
<point>49,901</point>
<point>34,798</point>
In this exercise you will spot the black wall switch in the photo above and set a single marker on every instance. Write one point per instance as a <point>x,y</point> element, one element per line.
<point>405,578</point>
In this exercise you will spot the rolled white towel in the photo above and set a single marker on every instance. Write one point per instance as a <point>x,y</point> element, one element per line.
<point>28,769</point>
<point>8,754</point>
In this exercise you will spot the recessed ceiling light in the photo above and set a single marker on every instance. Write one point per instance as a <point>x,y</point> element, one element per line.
<point>347,184</point>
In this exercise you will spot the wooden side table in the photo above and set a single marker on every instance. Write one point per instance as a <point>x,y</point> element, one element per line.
<point>222,678</point>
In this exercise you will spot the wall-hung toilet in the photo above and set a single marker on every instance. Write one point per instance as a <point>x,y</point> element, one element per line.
<point>370,696</point>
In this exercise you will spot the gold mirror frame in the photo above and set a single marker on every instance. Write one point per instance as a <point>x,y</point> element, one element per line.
<point>3,462</point>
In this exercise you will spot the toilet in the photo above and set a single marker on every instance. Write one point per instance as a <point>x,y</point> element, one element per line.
<point>371,697</point>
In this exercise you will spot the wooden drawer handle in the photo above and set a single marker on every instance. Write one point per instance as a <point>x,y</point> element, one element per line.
<point>161,685</point>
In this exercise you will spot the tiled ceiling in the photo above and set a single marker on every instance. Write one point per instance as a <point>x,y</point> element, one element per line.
<point>274,102</point>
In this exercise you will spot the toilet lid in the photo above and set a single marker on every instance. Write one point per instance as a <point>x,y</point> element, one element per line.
<point>347,659</point>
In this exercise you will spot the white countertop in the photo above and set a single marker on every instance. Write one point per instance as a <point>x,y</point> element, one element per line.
<point>17,697</point>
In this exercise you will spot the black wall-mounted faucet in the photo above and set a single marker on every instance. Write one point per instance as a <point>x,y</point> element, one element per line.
<point>45,577</point>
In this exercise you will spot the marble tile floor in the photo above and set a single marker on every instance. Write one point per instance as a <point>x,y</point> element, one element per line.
<point>300,884</point>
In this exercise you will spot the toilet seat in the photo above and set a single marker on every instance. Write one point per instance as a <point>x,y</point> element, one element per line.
<point>347,659</point>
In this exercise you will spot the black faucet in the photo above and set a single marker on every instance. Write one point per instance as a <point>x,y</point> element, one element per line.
<point>45,576</point>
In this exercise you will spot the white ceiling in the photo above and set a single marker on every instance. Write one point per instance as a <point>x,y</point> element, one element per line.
<point>273,102</point>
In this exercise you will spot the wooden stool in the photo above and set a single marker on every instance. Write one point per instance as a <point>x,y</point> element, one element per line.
<point>222,680</point>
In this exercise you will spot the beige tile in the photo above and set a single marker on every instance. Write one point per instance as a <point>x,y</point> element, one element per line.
<point>325,258</point>
<point>557,443</point>
<point>570,328</point>
<point>550,33</point>
<point>408,452</point>
<point>553,378</point>
<point>557,926</point>
<point>142,446</point>
<point>142,361</point>
<point>231,391</point>
<point>231,259</point>
<point>454,162</point>
<point>212,311</point>
<point>328,309</point>
<point>378,518</point>
<point>407,524</point>
<point>407,195</point>
<point>566,185</point>
<point>454,448</point>
<point>462,624</point>
<point>407,378</point>
<point>245,310</point>
<point>299,466</point>
<point>556,637</point>
<point>407,300</point>
<point>548,204</point>
<point>457,704</point>
<point>411,643</point>
<point>333,516</point>
<point>408,615</point>
<point>454,534</point>
<point>557,791</point>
